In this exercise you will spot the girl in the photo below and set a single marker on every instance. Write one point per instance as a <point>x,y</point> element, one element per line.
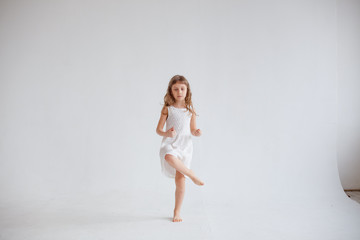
<point>176,146</point>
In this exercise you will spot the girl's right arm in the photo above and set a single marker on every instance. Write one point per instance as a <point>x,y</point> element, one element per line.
<point>162,120</point>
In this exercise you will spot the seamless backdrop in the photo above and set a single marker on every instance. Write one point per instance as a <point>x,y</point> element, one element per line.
<point>81,88</point>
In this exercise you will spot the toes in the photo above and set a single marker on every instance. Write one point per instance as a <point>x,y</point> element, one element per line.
<point>177,219</point>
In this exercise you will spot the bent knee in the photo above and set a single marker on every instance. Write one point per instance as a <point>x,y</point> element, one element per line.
<point>169,157</point>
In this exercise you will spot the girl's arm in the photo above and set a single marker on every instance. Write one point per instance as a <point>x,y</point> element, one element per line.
<point>193,129</point>
<point>162,120</point>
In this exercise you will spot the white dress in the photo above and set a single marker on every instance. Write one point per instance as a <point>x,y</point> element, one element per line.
<point>181,145</point>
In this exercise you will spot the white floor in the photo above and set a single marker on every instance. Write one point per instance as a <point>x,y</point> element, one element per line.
<point>131,215</point>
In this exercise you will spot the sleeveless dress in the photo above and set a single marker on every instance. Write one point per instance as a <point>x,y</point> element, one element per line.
<point>180,145</point>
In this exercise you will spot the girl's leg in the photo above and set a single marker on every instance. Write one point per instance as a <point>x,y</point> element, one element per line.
<point>179,195</point>
<point>179,166</point>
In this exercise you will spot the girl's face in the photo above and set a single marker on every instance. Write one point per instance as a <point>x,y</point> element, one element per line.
<point>179,91</point>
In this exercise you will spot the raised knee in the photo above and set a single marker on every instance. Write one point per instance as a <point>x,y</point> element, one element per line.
<point>168,157</point>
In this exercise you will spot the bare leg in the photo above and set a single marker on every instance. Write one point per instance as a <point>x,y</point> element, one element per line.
<point>179,165</point>
<point>179,195</point>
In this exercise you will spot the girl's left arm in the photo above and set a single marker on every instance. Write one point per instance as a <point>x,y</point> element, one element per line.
<point>193,129</point>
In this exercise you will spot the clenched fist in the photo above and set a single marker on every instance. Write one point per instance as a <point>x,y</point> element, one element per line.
<point>171,132</point>
<point>197,132</point>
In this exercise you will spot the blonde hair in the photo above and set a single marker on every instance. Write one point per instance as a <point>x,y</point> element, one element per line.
<point>169,98</point>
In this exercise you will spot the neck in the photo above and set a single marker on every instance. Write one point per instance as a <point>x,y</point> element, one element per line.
<point>179,104</point>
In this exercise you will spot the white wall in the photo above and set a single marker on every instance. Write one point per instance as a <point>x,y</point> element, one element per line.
<point>349,93</point>
<point>82,83</point>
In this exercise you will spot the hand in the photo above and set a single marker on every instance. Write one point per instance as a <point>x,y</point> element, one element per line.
<point>171,132</point>
<point>197,133</point>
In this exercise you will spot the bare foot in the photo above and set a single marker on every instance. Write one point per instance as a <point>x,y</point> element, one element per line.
<point>177,217</point>
<point>195,179</point>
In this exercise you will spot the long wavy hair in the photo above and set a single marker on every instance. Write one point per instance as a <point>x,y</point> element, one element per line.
<point>169,99</point>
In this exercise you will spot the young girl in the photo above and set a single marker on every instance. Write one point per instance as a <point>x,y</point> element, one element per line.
<point>176,146</point>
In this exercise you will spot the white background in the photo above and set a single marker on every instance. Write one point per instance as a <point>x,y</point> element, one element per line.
<point>82,83</point>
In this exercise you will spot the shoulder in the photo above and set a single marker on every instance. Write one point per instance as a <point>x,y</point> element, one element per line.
<point>164,110</point>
